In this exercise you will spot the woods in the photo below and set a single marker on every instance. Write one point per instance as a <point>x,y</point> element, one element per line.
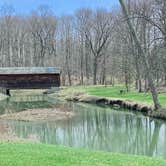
<point>90,46</point>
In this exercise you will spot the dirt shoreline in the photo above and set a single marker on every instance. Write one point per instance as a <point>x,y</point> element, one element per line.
<point>36,115</point>
<point>131,105</point>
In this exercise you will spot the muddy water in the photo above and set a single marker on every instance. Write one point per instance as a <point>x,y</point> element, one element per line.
<point>95,128</point>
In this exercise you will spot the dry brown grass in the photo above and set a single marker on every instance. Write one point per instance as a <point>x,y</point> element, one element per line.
<point>51,114</point>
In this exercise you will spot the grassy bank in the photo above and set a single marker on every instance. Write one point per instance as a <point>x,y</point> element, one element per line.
<point>113,92</point>
<point>14,154</point>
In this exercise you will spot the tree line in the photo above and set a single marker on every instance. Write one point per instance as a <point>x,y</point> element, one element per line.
<point>90,46</point>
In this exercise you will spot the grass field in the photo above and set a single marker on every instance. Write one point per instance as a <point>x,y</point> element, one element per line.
<point>25,154</point>
<point>113,92</point>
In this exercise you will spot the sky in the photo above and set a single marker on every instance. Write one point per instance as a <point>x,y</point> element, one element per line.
<point>60,7</point>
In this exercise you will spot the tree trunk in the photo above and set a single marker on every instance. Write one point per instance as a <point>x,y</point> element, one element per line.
<point>104,70</point>
<point>136,83</point>
<point>94,71</point>
<point>68,70</point>
<point>81,59</point>
<point>126,82</point>
<point>140,86</point>
<point>86,60</point>
<point>146,84</point>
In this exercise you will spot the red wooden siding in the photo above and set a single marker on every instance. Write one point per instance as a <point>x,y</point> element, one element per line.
<point>29,81</point>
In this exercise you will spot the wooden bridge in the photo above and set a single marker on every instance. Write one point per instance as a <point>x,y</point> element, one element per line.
<point>29,78</point>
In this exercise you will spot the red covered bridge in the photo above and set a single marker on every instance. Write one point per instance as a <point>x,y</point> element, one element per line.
<point>29,78</point>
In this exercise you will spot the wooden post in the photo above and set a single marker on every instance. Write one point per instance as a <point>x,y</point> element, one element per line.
<point>8,92</point>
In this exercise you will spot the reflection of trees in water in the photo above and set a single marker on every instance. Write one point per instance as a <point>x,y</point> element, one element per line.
<point>101,129</point>
<point>154,140</point>
<point>44,132</point>
<point>3,128</point>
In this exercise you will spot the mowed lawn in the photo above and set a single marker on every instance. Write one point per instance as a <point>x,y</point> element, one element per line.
<point>113,92</point>
<point>25,154</point>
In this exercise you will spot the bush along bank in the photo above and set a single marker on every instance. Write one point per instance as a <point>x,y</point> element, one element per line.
<point>131,105</point>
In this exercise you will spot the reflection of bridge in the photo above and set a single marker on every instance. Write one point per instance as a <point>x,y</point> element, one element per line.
<point>20,103</point>
<point>29,78</point>
<point>28,98</point>
<point>33,98</point>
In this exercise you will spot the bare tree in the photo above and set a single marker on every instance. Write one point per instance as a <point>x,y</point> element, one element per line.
<point>43,30</point>
<point>144,56</point>
<point>98,35</point>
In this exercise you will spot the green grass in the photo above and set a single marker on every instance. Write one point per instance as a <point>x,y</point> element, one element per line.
<point>25,154</point>
<point>113,92</point>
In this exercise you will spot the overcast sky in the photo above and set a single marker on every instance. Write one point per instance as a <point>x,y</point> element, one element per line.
<point>59,6</point>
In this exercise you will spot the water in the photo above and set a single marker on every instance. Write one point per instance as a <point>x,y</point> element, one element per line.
<point>20,103</point>
<point>98,128</point>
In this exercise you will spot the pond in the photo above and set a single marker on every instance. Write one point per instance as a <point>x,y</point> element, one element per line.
<point>93,127</point>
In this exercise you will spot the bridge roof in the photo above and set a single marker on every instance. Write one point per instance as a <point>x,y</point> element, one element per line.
<point>29,70</point>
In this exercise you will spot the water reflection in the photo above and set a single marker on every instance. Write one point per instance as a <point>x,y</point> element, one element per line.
<point>100,128</point>
<point>20,103</point>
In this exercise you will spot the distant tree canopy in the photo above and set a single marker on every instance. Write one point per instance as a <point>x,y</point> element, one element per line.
<point>90,46</point>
